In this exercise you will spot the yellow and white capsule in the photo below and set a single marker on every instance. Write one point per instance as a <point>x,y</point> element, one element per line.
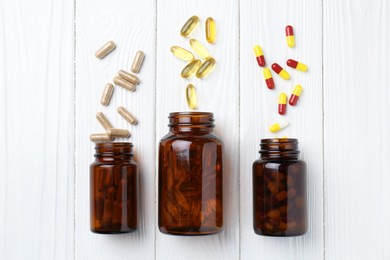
<point>199,49</point>
<point>278,126</point>
<point>182,53</point>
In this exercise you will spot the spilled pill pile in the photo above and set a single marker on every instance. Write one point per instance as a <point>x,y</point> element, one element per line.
<point>203,64</point>
<point>125,80</point>
<point>278,69</point>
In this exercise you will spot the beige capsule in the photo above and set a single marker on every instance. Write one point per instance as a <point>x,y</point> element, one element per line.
<point>127,115</point>
<point>129,77</point>
<point>137,62</point>
<point>105,50</point>
<point>107,94</point>
<point>206,68</point>
<point>116,132</point>
<point>191,68</point>
<point>101,137</point>
<point>124,83</point>
<point>103,120</point>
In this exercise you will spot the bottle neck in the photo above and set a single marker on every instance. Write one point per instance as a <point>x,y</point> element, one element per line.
<point>191,122</point>
<point>279,148</point>
<point>113,152</point>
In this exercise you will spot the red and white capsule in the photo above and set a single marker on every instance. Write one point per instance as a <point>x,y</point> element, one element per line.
<point>280,71</point>
<point>290,36</point>
<point>282,106</point>
<point>295,95</point>
<point>296,65</point>
<point>268,78</point>
<point>259,55</point>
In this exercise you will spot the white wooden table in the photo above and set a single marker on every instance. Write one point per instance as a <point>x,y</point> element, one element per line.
<point>50,87</point>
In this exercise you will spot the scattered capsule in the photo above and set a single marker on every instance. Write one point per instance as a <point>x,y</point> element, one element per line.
<point>107,94</point>
<point>290,36</point>
<point>282,106</point>
<point>259,55</point>
<point>278,126</point>
<point>210,30</point>
<point>192,100</point>
<point>100,137</point>
<point>124,83</point>
<point>133,79</point>
<point>199,49</point>
<point>189,26</point>
<point>295,95</point>
<point>105,50</point>
<point>182,53</point>
<point>268,78</point>
<point>206,68</point>
<point>191,68</point>
<point>280,71</point>
<point>296,65</point>
<point>137,62</point>
<point>115,132</point>
<point>103,120</point>
<point>127,115</point>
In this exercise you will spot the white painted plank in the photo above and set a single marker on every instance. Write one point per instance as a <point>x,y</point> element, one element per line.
<point>131,24</point>
<point>219,94</point>
<point>357,126</point>
<point>263,23</point>
<point>36,130</point>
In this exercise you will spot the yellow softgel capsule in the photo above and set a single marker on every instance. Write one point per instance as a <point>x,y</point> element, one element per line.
<point>192,99</point>
<point>182,53</point>
<point>199,49</point>
<point>206,68</point>
<point>210,30</point>
<point>191,68</point>
<point>278,126</point>
<point>189,26</point>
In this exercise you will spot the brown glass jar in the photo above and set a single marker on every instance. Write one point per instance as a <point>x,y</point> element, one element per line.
<point>279,189</point>
<point>114,189</point>
<point>190,176</point>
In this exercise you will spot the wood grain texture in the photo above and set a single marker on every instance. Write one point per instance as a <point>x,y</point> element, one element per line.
<point>36,130</point>
<point>217,93</point>
<point>131,25</point>
<point>357,126</point>
<point>263,23</point>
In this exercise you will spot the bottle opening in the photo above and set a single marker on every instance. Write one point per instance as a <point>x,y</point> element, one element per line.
<point>191,121</point>
<point>283,148</point>
<point>113,149</point>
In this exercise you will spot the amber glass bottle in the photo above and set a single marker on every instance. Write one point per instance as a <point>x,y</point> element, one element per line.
<point>279,189</point>
<point>190,176</point>
<point>114,189</point>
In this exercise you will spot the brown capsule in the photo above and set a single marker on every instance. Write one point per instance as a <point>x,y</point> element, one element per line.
<point>129,77</point>
<point>281,195</point>
<point>273,213</point>
<point>101,137</point>
<point>127,115</point>
<point>137,62</point>
<point>124,83</point>
<point>115,132</point>
<point>105,50</point>
<point>299,202</point>
<point>291,192</point>
<point>103,121</point>
<point>273,187</point>
<point>107,94</point>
